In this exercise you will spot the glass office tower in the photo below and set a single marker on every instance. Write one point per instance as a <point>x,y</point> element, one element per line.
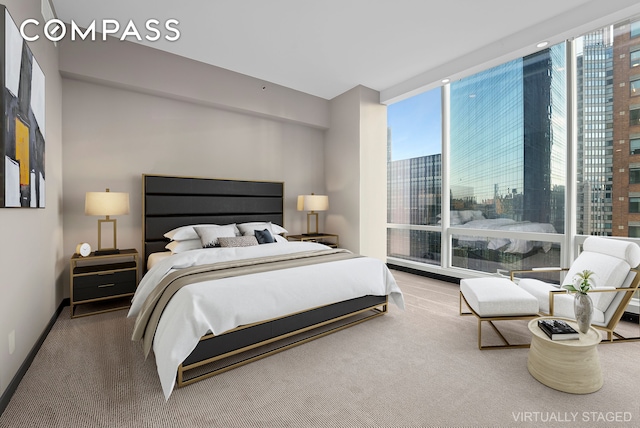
<point>508,140</point>
<point>414,197</point>
<point>594,77</point>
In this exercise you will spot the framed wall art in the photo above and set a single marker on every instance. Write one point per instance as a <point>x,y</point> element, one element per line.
<point>22,135</point>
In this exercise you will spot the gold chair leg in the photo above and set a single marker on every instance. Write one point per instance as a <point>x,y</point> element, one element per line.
<point>506,345</point>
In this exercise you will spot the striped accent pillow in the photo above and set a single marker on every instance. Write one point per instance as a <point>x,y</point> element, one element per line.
<point>238,241</point>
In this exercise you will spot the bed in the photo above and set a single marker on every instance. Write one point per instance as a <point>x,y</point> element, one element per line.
<point>506,251</point>
<point>204,311</point>
<point>507,245</point>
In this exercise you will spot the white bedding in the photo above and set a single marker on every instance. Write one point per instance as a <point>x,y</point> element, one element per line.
<point>221,305</point>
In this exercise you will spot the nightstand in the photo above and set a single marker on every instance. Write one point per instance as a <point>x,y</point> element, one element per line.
<point>328,239</point>
<point>103,283</point>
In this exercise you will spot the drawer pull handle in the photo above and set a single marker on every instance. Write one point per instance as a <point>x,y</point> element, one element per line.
<point>104,273</point>
<point>105,285</point>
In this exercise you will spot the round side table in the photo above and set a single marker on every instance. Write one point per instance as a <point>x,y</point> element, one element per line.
<point>566,365</point>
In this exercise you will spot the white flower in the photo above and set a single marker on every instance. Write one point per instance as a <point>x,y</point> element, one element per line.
<point>581,282</point>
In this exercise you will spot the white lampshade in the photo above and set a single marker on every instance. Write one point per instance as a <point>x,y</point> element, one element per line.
<point>106,203</point>
<point>313,202</point>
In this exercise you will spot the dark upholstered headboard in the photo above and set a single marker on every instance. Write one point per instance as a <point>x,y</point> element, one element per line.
<point>169,202</point>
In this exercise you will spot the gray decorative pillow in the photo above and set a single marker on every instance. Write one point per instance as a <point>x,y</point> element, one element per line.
<point>263,236</point>
<point>238,241</point>
<point>210,234</point>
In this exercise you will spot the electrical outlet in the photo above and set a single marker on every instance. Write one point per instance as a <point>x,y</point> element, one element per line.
<point>12,342</point>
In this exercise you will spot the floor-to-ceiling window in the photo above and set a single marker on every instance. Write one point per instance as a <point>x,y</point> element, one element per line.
<point>414,181</point>
<point>508,161</point>
<point>515,132</point>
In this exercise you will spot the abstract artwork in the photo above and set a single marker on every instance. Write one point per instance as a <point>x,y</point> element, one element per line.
<point>22,135</point>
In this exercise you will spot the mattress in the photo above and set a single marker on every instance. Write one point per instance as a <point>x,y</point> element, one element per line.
<point>156,257</point>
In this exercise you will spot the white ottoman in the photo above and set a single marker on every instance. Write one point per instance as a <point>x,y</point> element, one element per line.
<point>497,299</point>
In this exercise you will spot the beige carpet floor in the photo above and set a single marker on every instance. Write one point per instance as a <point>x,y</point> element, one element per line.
<point>418,367</point>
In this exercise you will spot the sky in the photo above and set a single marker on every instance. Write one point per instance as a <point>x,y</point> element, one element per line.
<point>416,126</point>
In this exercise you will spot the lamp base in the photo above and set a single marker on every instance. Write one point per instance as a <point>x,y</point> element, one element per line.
<point>107,252</point>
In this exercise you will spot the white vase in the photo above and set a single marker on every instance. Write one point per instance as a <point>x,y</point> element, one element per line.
<point>583,309</point>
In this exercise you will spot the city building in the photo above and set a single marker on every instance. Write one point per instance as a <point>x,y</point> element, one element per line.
<point>625,213</point>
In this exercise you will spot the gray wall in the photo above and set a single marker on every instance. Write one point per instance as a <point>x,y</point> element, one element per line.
<point>113,136</point>
<point>179,121</point>
<point>130,110</point>
<point>31,260</point>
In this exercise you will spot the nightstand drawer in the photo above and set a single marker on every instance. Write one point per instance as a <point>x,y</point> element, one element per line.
<point>104,285</point>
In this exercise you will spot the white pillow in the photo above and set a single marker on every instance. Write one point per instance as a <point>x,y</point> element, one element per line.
<point>184,233</point>
<point>609,272</point>
<point>249,228</point>
<point>180,246</point>
<point>209,234</point>
<point>477,215</point>
<point>278,230</point>
<point>465,216</point>
<point>280,238</point>
<point>454,218</point>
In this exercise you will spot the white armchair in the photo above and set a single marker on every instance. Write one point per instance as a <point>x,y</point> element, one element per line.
<point>616,279</point>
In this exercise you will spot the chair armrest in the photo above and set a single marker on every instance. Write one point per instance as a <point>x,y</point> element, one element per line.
<point>610,290</point>
<point>552,297</point>
<point>552,294</point>
<point>536,270</point>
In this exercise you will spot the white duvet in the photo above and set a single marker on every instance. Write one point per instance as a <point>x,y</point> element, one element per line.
<point>221,305</point>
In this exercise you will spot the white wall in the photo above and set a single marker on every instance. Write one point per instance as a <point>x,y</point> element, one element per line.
<point>31,260</point>
<point>356,172</point>
<point>114,132</point>
<point>373,175</point>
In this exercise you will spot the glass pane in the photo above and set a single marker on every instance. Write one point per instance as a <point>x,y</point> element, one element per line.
<point>635,87</point>
<point>492,254</point>
<point>635,58</point>
<point>508,141</point>
<point>415,245</point>
<point>414,140</point>
<point>635,29</point>
<point>634,205</point>
<point>634,145</point>
<point>634,175</point>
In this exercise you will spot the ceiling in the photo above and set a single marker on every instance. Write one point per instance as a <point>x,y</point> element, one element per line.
<point>325,48</point>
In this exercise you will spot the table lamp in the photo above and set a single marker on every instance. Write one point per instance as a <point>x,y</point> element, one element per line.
<point>312,203</point>
<point>106,204</point>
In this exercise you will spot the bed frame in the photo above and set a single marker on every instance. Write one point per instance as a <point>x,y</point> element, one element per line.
<point>169,202</point>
